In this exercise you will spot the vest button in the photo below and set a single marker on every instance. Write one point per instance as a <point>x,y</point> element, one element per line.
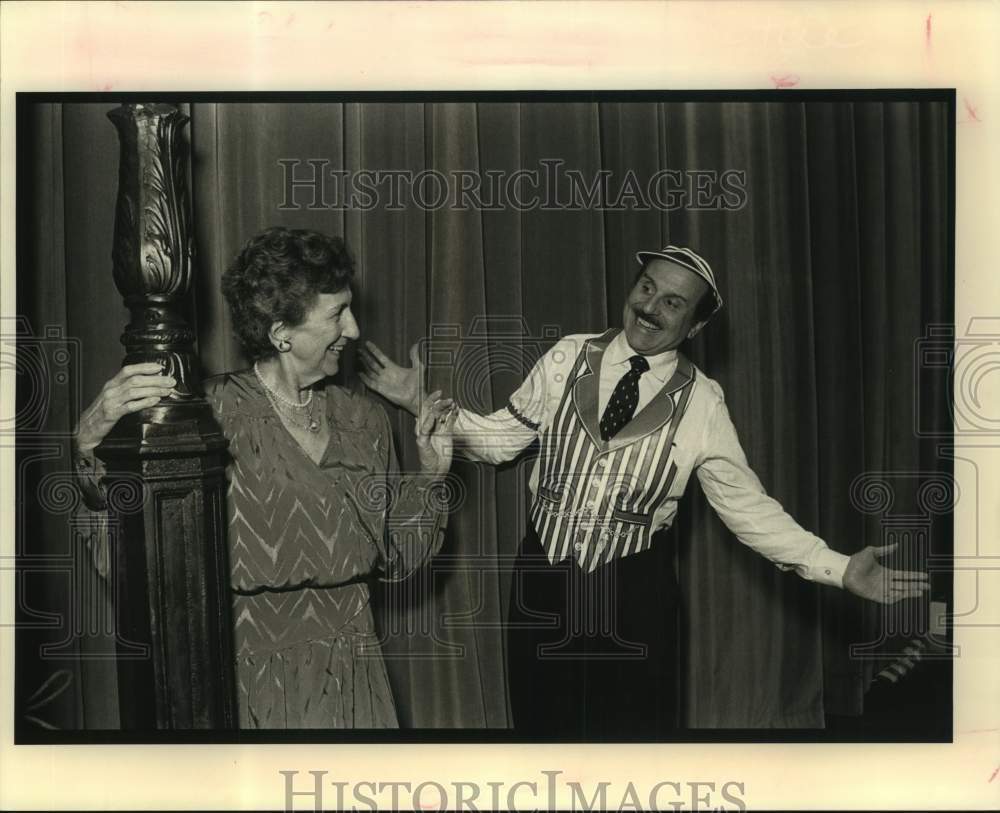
<point>578,546</point>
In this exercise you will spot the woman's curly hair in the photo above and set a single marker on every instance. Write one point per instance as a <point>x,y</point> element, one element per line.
<point>277,277</point>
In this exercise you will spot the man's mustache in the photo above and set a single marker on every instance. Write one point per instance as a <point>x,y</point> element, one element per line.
<point>648,317</point>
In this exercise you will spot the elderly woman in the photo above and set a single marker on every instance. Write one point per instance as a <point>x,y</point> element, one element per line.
<point>311,465</point>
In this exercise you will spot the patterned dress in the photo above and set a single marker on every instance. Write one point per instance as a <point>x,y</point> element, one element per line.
<point>304,541</point>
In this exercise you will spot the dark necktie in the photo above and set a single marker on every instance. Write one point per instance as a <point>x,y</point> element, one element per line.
<point>624,399</point>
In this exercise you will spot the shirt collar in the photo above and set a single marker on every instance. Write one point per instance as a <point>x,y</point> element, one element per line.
<point>662,365</point>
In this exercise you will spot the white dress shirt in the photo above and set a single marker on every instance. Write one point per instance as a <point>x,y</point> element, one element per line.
<point>616,364</point>
<point>706,442</point>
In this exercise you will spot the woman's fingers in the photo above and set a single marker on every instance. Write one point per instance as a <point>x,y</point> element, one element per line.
<point>134,400</point>
<point>425,422</point>
<point>138,387</point>
<point>136,393</point>
<point>448,418</point>
<point>133,387</point>
<point>129,371</point>
<point>141,380</point>
<point>143,403</point>
<point>145,367</point>
<point>433,410</point>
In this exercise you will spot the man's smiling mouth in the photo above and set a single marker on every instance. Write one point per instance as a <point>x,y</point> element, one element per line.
<point>646,323</point>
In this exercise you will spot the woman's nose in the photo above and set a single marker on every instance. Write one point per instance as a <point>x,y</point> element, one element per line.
<point>351,330</point>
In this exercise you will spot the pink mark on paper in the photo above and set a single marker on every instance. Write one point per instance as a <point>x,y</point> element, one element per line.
<point>927,30</point>
<point>106,87</point>
<point>788,80</point>
<point>971,113</point>
<point>431,805</point>
<point>994,774</point>
<point>290,20</point>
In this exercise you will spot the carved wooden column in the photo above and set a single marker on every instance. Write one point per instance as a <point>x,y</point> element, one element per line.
<point>170,553</point>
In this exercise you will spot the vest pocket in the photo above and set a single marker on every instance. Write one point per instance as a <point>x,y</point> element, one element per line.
<point>644,520</point>
<point>549,494</point>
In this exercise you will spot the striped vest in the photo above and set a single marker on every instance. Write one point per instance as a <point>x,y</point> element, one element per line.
<point>595,499</point>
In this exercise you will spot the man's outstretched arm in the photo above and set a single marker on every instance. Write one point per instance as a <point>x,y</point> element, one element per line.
<point>760,522</point>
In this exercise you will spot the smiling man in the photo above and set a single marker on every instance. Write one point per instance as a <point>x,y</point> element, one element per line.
<point>622,420</point>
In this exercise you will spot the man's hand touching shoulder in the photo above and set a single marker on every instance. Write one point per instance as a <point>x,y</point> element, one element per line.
<point>403,386</point>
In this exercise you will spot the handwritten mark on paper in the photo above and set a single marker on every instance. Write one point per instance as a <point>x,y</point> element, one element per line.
<point>971,113</point>
<point>994,774</point>
<point>927,30</point>
<point>788,80</point>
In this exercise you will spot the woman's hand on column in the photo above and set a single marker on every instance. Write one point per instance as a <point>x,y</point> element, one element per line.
<point>134,387</point>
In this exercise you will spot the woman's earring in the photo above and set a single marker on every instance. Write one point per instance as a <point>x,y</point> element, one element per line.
<point>284,345</point>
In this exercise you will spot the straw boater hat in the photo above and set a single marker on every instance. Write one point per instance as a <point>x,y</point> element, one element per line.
<point>688,259</point>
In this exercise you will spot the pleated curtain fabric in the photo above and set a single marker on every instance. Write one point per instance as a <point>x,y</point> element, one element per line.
<point>831,271</point>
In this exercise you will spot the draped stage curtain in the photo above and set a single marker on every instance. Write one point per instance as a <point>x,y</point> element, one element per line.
<point>830,272</point>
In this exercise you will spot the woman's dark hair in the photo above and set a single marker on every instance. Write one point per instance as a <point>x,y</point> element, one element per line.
<point>277,277</point>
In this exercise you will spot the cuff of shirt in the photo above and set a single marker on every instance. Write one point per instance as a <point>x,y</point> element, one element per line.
<point>829,568</point>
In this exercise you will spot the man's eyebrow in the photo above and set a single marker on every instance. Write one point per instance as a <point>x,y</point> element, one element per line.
<point>645,276</point>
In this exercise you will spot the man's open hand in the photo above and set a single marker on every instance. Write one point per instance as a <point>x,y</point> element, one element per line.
<point>404,386</point>
<point>867,578</point>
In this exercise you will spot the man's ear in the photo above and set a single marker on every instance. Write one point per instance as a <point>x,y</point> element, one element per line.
<point>696,329</point>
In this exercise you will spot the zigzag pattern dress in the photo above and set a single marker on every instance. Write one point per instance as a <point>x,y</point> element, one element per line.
<point>304,541</point>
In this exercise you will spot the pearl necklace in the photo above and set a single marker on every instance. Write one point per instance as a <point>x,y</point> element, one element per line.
<point>278,400</point>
